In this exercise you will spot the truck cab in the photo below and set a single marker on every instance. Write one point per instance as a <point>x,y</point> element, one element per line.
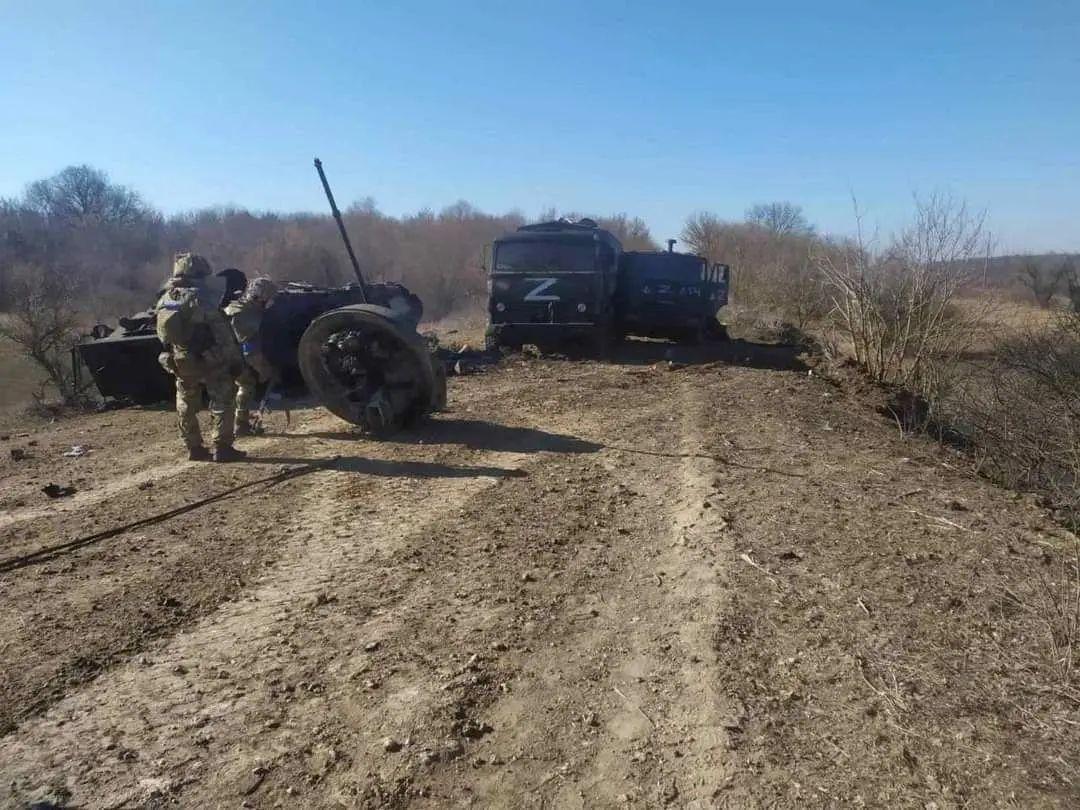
<point>553,283</point>
<point>670,295</point>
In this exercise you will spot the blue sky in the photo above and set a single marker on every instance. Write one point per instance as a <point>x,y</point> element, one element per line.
<point>654,109</point>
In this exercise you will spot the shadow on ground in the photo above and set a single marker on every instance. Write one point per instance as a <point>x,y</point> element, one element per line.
<point>768,356</point>
<point>477,435</point>
<point>390,467</point>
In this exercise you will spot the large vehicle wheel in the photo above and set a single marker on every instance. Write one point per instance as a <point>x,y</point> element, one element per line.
<point>368,365</point>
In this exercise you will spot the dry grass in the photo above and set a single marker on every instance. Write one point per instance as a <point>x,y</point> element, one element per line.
<point>1059,610</point>
<point>1006,313</point>
<point>463,328</point>
<point>21,379</point>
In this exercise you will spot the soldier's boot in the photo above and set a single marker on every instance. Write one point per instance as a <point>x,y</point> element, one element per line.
<point>199,453</point>
<point>243,426</point>
<point>228,453</point>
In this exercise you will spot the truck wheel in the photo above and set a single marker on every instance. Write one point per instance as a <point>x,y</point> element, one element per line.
<point>368,365</point>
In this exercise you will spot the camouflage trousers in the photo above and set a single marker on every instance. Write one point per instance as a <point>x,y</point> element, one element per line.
<point>191,378</point>
<point>247,387</point>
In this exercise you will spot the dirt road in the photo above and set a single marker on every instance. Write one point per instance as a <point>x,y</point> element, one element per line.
<point>729,584</point>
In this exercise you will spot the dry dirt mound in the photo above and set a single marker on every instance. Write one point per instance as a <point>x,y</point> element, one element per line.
<point>585,585</point>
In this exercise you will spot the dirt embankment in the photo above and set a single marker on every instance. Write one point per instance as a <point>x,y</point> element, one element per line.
<point>586,585</point>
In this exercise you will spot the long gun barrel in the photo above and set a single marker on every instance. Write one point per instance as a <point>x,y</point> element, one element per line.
<point>341,228</point>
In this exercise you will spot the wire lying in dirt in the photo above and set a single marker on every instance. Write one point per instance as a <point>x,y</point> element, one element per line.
<point>50,552</point>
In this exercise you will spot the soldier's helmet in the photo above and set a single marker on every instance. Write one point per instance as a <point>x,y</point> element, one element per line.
<point>190,265</point>
<point>261,289</point>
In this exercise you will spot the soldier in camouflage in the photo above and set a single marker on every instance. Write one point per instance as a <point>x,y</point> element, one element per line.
<point>246,314</point>
<point>202,353</point>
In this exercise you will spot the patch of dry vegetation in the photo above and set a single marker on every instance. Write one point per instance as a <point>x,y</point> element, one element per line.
<point>21,378</point>
<point>1019,410</point>
<point>774,279</point>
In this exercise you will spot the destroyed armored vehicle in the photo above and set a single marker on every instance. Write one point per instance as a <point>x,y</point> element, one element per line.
<point>354,348</point>
<point>553,283</point>
<point>666,294</point>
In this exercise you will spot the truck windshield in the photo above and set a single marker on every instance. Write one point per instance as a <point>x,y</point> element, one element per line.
<point>667,268</point>
<point>547,256</point>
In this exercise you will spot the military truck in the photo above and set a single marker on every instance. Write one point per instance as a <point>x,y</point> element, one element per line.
<point>553,284</point>
<point>671,295</point>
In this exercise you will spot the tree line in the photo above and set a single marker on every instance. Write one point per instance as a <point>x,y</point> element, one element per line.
<point>107,248</point>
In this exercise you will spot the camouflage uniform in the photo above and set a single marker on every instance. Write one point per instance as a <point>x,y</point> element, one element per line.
<point>210,365</point>
<point>245,315</point>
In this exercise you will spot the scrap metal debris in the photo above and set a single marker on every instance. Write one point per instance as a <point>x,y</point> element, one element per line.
<point>467,360</point>
<point>57,491</point>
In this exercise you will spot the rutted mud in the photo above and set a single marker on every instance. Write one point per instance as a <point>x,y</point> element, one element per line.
<point>550,596</point>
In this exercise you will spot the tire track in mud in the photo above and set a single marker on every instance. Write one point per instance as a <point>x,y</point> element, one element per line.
<point>555,624</point>
<point>623,709</point>
<point>309,421</point>
<point>151,701</point>
<point>555,639</point>
<point>672,716</point>
<point>67,620</point>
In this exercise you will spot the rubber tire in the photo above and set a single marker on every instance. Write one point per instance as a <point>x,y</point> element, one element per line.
<point>330,392</point>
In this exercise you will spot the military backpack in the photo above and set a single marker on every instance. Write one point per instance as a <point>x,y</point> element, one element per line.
<point>181,323</point>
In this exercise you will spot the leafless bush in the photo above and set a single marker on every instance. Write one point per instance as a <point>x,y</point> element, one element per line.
<point>898,308</point>
<point>773,272</point>
<point>1021,412</point>
<point>43,321</point>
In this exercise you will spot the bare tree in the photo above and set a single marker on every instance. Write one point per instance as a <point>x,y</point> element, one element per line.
<point>43,322</point>
<point>83,195</point>
<point>704,234</point>
<point>1067,271</point>
<point>775,279</point>
<point>897,308</point>
<point>1042,281</point>
<point>631,231</point>
<point>780,218</point>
